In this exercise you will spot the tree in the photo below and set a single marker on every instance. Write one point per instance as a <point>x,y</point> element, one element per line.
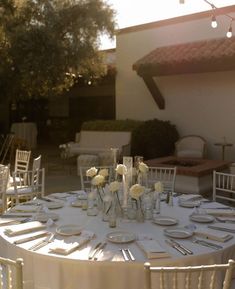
<point>45,45</point>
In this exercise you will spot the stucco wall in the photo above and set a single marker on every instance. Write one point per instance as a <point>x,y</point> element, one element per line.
<point>202,104</point>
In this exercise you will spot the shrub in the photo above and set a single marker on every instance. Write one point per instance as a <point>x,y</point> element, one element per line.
<point>154,138</point>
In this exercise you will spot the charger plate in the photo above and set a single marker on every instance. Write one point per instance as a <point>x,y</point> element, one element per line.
<point>202,218</point>
<point>178,233</point>
<point>121,237</point>
<point>165,221</point>
<point>68,230</point>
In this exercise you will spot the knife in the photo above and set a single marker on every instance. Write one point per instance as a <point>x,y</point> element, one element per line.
<point>130,254</point>
<point>208,244</point>
<point>176,247</point>
<point>99,251</point>
<point>125,257</point>
<point>221,229</point>
<point>182,247</point>
<point>92,252</point>
<point>24,240</point>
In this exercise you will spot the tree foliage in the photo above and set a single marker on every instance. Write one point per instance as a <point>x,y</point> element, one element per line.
<point>46,44</point>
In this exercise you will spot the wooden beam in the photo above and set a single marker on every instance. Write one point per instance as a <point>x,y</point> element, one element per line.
<point>156,94</point>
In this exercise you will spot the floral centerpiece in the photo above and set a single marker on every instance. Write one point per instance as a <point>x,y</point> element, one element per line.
<point>141,172</point>
<point>136,191</point>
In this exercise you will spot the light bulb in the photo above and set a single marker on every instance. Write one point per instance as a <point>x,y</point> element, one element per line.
<point>181,1</point>
<point>213,22</point>
<point>230,32</point>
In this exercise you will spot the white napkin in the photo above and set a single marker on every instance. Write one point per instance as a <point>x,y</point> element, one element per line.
<point>152,249</point>
<point>189,197</point>
<point>25,208</point>
<point>24,228</point>
<point>71,244</point>
<point>220,212</point>
<point>213,235</point>
<point>219,226</point>
<point>5,222</point>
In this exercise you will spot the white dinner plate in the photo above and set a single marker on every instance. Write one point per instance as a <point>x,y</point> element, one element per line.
<point>165,221</point>
<point>120,237</point>
<point>54,205</point>
<point>44,217</point>
<point>179,233</point>
<point>201,218</point>
<point>77,203</point>
<point>189,204</point>
<point>69,230</point>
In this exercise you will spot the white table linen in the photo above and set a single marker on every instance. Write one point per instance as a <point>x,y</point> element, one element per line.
<point>26,131</point>
<point>45,270</point>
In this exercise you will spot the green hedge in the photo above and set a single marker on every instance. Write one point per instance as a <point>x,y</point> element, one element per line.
<point>150,139</point>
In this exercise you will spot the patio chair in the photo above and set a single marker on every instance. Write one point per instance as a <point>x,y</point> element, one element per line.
<point>223,187</point>
<point>166,175</point>
<point>206,276</point>
<point>11,273</point>
<point>191,146</point>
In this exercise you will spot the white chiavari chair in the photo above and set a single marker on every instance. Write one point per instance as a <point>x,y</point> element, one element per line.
<point>22,159</point>
<point>166,175</point>
<point>4,176</point>
<point>223,187</point>
<point>11,273</point>
<point>206,276</point>
<point>86,181</point>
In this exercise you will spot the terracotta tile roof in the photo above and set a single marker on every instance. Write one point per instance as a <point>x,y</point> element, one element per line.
<point>200,56</point>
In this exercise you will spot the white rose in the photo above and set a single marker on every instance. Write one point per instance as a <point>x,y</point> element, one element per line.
<point>104,172</point>
<point>143,167</point>
<point>136,191</point>
<point>121,169</point>
<point>98,180</point>
<point>91,172</point>
<point>114,186</point>
<point>158,187</point>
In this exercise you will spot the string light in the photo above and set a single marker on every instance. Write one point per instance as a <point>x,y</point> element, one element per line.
<point>214,23</point>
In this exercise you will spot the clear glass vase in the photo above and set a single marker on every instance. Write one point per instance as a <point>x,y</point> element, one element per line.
<point>139,212</point>
<point>113,215</point>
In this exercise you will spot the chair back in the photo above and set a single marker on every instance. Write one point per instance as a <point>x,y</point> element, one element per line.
<point>22,159</point>
<point>223,186</point>
<point>205,276</point>
<point>191,146</point>
<point>166,175</point>
<point>86,181</point>
<point>11,273</point>
<point>4,176</point>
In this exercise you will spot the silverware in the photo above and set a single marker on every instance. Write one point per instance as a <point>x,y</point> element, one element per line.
<point>221,229</point>
<point>182,247</point>
<point>24,240</point>
<point>207,244</point>
<point>99,251</point>
<point>93,251</point>
<point>130,254</point>
<point>16,216</point>
<point>176,247</point>
<point>125,257</point>
<point>42,243</point>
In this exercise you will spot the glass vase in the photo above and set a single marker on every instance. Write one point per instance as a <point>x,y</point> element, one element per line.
<point>139,212</point>
<point>112,215</point>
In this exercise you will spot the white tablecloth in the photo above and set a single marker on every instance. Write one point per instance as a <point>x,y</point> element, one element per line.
<point>26,131</point>
<point>44,270</point>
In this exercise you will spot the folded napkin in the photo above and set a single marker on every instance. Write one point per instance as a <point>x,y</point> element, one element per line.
<point>71,244</point>
<point>212,235</point>
<point>189,197</point>
<point>152,249</point>
<point>5,222</point>
<point>24,228</point>
<point>25,208</point>
<point>223,227</point>
<point>220,212</point>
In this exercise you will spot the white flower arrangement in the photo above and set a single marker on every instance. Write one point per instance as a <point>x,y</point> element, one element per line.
<point>104,172</point>
<point>136,191</point>
<point>98,181</point>
<point>91,172</point>
<point>121,169</point>
<point>158,187</point>
<point>62,146</point>
<point>143,168</point>
<point>114,186</point>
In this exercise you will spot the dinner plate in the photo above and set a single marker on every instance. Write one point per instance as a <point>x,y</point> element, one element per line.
<point>165,221</point>
<point>179,233</point>
<point>201,218</point>
<point>44,217</point>
<point>121,237</point>
<point>69,230</point>
<point>54,205</point>
<point>189,204</point>
<point>76,203</point>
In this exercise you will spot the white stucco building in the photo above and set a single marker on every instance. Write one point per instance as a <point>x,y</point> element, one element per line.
<point>197,103</point>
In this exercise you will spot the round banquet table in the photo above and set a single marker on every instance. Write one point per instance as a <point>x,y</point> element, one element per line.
<point>45,270</point>
<point>26,131</point>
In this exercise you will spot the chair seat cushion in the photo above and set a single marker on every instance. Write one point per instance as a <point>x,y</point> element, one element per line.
<point>23,190</point>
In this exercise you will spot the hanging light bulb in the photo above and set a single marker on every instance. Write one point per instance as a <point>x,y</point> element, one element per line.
<point>230,31</point>
<point>181,1</point>
<point>213,21</point>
